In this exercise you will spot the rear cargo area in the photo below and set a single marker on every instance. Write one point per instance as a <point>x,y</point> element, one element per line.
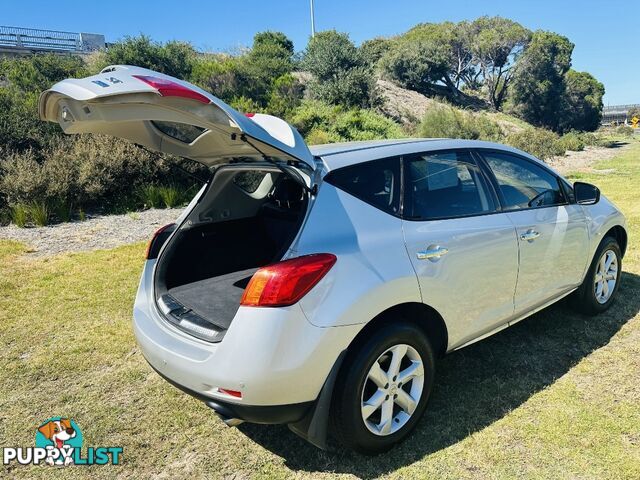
<point>246,219</point>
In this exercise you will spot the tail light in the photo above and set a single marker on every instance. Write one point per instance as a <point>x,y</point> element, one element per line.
<point>169,88</point>
<point>286,282</point>
<point>158,239</point>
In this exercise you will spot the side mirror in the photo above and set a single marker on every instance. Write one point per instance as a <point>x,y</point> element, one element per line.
<point>585,193</point>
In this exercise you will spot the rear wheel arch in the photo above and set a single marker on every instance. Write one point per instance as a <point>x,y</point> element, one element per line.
<point>422,315</point>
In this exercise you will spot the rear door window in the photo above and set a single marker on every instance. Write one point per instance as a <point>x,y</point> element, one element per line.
<point>445,184</point>
<point>376,183</point>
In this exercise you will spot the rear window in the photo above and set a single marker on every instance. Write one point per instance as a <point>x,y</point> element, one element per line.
<point>180,131</point>
<point>376,183</point>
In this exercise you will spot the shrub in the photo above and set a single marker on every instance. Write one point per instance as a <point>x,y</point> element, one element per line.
<point>624,131</point>
<point>538,142</point>
<point>572,141</point>
<point>151,196</point>
<point>322,123</point>
<point>39,213</point>
<point>449,122</point>
<point>171,196</point>
<point>19,215</point>
<point>340,75</point>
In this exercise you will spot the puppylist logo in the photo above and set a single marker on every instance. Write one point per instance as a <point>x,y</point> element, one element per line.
<point>59,443</point>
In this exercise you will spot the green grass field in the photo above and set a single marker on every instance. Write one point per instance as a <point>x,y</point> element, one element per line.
<point>556,396</point>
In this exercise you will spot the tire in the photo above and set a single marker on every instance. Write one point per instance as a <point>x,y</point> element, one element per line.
<point>587,298</point>
<point>354,386</point>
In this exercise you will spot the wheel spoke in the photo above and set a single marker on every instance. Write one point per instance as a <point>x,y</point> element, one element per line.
<point>386,418</point>
<point>610,257</point>
<point>373,403</point>
<point>377,375</point>
<point>605,289</point>
<point>406,401</point>
<point>398,354</point>
<point>413,370</point>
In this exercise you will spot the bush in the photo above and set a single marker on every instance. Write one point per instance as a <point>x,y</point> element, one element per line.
<point>19,215</point>
<point>572,141</point>
<point>151,196</point>
<point>538,142</point>
<point>171,196</point>
<point>322,123</point>
<point>340,75</point>
<point>449,122</point>
<point>39,213</point>
<point>624,131</point>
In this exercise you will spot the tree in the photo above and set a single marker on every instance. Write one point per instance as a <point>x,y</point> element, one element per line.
<point>538,86</point>
<point>339,74</point>
<point>273,39</point>
<point>371,51</point>
<point>497,44</point>
<point>172,58</point>
<point>428,54</point>
<point>582,102</point>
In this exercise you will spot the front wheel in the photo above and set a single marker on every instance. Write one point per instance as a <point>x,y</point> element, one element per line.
<point>600,285</point>
<point>383,388</point>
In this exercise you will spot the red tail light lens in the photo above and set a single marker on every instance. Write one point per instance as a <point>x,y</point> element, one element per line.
<point>231,393</point>
<point>286,282</point>
<point>152,249</point>
<point>168,88</point>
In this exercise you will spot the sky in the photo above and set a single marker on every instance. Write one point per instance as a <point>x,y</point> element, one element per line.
<point>605,33</point>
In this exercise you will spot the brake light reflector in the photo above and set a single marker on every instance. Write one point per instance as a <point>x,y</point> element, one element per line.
<point>147,253</point>
<point>286,282</point>
<point>169,88</point>
<point>232,393</point>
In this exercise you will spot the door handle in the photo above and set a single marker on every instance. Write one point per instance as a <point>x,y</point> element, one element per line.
<point>432,253</point>
<point>530,235</point>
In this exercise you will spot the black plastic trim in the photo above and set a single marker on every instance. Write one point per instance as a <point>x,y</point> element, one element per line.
<point>266,414</point>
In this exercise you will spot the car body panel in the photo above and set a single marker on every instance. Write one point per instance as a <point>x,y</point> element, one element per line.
<point>373,271</point>
<point>555,262</point>
<point>274,356</point>
<point>116,102</point>
<point>472,286</point>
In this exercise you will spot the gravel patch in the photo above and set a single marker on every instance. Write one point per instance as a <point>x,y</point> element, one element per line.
<point>94,233</point>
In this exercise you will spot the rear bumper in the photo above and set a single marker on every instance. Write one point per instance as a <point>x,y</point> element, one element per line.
<point>275,357</point>
<point>267,414</point>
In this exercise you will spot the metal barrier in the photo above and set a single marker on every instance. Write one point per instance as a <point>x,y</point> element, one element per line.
<point>48,40</point>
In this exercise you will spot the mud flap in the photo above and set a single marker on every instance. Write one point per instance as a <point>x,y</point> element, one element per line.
<point>313,427</point>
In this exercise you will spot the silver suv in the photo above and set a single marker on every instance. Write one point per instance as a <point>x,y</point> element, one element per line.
<point>317,286</point>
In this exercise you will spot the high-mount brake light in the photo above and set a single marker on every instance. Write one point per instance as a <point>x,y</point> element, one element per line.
<point>286,282</point>
<point>169,88</point>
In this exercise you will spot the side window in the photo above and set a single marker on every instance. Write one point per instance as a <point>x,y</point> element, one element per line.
<point>445,185</point>
<point>523,184</point>
<point>376,183</point>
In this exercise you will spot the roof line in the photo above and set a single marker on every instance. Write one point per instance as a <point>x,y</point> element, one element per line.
<point>369,147</point>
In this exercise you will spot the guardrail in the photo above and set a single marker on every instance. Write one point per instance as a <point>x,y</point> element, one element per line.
<point>49,40</point>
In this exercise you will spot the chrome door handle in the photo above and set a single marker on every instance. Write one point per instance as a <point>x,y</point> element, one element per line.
<point>432,253</point>
<point>530,235</point>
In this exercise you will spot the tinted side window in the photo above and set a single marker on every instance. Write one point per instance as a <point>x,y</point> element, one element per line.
<point>522,183</point>
<point>376,182</point>
<point>445,185</point>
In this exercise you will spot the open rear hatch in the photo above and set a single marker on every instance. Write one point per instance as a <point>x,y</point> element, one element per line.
<point>171,116</point>
<point>232,229</point>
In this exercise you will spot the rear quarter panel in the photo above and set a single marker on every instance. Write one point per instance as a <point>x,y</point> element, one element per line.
<point>373,271</point>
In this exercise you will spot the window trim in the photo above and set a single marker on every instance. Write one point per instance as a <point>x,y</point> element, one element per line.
<point>479,153</point>
<point>490,187</point>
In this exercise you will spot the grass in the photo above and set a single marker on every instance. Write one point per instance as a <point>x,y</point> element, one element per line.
<point>556,396</point>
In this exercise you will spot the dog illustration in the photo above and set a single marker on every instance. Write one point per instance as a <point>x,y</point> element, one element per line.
<point>58,432</point>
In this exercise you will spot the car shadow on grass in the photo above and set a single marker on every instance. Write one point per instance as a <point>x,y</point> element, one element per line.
<point>475,386</point>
